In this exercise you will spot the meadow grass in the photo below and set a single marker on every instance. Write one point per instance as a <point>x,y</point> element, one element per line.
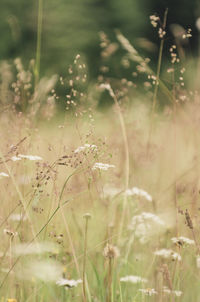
<point>99,205</point>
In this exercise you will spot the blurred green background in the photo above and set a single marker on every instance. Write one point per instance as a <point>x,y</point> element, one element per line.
<point>73,26</point>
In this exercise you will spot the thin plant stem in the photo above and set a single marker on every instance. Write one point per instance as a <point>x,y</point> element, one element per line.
<point>126,149</point>
<point>87,217</point>
<point>39,38</point>
<point>71,242</point>
<point>109,296</point>
<point>157,81</point>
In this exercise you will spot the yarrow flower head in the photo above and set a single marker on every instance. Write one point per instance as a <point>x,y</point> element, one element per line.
<point>85,147</point>
<point>102,166</point>
<point>138,192</point>
<point>146,225</point>
<point>148,291</point>
<point>177,293</point>
<point>133,279</point>
<point>68,283</point>
<point>167,253</point>
<point>182,240</point>
<point>30,157</point>
<point>3,174</point>
<point>17,217</point>
<point>15,158</point>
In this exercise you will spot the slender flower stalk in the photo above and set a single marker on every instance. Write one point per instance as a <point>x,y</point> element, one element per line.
<point>87,216</point>
<point>157,79</point>
<point>126,149</point>
<point>38,47</point>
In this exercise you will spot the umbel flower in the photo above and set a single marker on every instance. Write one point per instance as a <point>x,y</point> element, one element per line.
<point>68,283</point>
<point>133,279</point>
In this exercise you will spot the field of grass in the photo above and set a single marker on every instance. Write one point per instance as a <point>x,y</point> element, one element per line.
<point>99,205</point>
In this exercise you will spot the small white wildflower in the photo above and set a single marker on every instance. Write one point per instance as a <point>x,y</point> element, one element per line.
<point>148,291</point>
<point>177,293</point>
<point>182,240</point>
<point>146,225</point>
<point>2,174</point>
<point>17,217</point>
<point>86,146</point>
<point>30,157</point>
<point>68,283</point>
<point>167,253</point>
<point>133,279</point>
<point>102,166</point>
<point>138,192</point>
<point>15,158</point>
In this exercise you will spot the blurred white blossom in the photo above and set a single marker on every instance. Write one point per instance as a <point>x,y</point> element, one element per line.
<point>133,279</point>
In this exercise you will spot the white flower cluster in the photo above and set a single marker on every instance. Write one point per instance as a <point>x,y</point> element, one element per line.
<point>145,225</point>
<point>148,291</point>
<point>17,217</point>
<point>182,240</point>
<point>30,157</point>
<point>85,147</point>
<point>133,279</point>
<point>168,253</point>
<point>68,283</point>
<point>138,192</point>
<point>177,293</point>
<point>102,166</point>
<point>3,174</point>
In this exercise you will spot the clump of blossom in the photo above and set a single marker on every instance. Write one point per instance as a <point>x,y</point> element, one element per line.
<point>17,217</point>
<point>15,158</point>
<point>138,192</point>
<point>177,293</point>
<point>85,147</point>
<point>148,291</point>
<point>102,166</point>
<point>68,283</point>
<point>3,174</point>
<point>133,279</point>
<point>30,157</point>
<point>168,253</point>
<point>146,225</point>
<point>182,240</point>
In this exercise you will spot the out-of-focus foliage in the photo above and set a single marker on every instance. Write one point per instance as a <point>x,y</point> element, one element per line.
<point>73,26</point>
<point>69,27</point>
